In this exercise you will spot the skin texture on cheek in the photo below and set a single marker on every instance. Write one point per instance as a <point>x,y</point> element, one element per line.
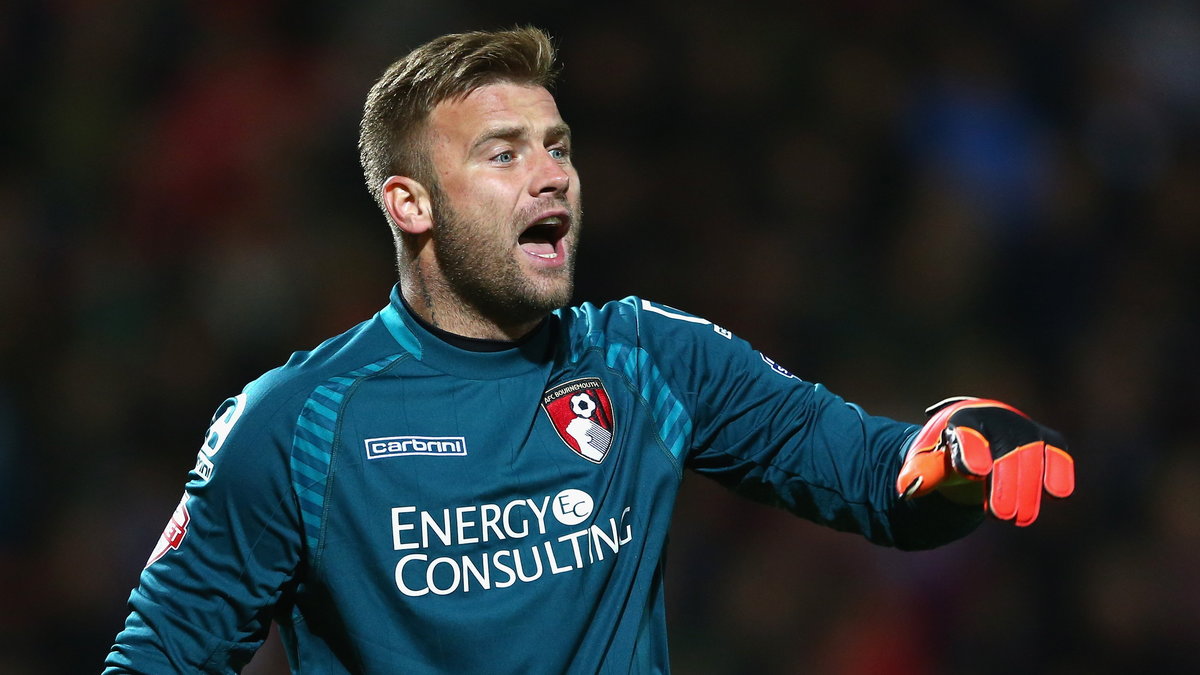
<point>483,268</point>
<point>499,168</point>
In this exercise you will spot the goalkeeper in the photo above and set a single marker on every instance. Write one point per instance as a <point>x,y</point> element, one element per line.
<point>480,478</point>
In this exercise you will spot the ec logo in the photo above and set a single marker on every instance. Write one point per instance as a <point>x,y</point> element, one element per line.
<point>572,507</point>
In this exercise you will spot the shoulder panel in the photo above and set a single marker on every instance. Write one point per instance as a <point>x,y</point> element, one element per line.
<point>674,421</point>
<point>614,330</point>
<point>313,444</point>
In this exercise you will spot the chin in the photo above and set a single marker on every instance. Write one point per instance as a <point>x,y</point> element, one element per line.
<point>551,290</point>
<point>545,304</point>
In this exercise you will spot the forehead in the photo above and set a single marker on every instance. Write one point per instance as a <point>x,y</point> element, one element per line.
<point>494,106</point>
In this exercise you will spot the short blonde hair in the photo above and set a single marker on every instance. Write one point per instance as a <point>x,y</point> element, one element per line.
<point>449,67</point>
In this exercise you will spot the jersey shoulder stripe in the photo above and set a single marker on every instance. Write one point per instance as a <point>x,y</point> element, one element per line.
<point>668,411</point>
<point>298,405</point>
<point>615,329</point>
<point>313,443</point>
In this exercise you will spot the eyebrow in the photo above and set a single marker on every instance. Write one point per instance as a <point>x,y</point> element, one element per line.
<point>560,131</point>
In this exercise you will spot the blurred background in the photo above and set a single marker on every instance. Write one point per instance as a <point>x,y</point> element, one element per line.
<point>902,200</point>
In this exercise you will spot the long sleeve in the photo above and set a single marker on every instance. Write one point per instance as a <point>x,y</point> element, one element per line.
<point>204,600</point>
<point>777,439</point>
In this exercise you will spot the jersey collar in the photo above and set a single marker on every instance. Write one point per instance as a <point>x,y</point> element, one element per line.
<point>527,354</point>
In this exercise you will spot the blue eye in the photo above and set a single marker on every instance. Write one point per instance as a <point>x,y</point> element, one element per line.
<point>559,153</point>
<point>504,157</point>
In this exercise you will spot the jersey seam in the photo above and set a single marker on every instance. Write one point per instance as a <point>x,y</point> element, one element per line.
<point>769,466</point>
<point>603,348</point>
<point>219,645</point>
<point>677,462</point>
<point>336,434</point>
<point>637,331</point>
<point>632,387</point>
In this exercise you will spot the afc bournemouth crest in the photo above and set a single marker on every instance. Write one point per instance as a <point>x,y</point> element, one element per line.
<point>582,415</point>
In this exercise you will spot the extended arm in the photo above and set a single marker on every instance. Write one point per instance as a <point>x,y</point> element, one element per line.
<point>777,439</point>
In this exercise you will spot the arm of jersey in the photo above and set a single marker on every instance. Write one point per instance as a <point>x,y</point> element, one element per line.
<point>204,600</point>
<point>772,437</point>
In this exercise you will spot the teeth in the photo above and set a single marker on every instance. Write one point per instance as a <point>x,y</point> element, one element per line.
<point>547,256</point>
<point>552,220</point>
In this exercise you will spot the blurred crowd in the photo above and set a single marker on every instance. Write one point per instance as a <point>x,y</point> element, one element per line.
<point>902,200</point>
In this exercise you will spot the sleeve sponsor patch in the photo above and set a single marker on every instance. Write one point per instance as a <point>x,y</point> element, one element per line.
<point>173,533</point>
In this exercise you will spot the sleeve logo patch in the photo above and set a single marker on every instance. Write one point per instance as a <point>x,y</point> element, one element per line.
<point>582,414</point>
<point>776,367</point>
<point>174,533</point>
<point>218,432</point>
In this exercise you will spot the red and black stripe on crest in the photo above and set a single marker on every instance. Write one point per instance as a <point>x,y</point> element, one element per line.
<point>564,405</point>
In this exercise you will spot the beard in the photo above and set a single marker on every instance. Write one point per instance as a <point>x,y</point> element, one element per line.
<point>475,256</point>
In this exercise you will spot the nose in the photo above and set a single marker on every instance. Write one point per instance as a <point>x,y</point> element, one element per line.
<point>551,176</point>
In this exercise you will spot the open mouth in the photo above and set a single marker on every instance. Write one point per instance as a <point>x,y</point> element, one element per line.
<point>542,238</point>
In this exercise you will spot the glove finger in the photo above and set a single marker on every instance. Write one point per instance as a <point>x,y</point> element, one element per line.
<point>1001,495</point>
<point>1015,490</point>
<point>1032,460</point>
<point>921,473</point>
<point>970,452</point>
<point>1060,472</point>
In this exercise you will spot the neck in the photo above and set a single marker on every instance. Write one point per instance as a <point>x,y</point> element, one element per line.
<point>441,308</point>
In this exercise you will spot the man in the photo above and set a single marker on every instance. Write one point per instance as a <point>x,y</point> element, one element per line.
<point>477,480</point>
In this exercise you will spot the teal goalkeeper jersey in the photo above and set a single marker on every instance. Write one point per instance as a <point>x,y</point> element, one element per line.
<point>400,505</point>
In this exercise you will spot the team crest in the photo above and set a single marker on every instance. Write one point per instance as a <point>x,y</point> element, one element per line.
<point>582,415</point>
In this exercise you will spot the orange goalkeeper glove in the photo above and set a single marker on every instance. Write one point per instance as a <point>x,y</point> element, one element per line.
<point>979,440</point>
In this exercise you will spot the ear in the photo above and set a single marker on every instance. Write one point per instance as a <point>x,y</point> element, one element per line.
<point>407,202</point>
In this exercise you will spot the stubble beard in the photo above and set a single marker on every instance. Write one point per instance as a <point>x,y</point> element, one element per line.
<point>476,259</point>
